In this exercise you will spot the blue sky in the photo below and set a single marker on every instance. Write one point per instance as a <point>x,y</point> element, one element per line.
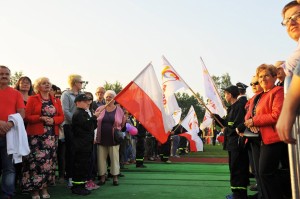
<point>114,40</point>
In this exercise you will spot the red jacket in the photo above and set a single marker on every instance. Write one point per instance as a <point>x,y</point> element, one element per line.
<point>33,113</point>
<point>267,113</point>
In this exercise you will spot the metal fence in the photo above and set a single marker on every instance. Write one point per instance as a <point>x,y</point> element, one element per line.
<point>294,158</point>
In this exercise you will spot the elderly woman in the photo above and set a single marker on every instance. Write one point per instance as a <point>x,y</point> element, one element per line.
<point>264,119</point>
<point>44,114</point>
<point>111,117</point>
<point>253,142</point>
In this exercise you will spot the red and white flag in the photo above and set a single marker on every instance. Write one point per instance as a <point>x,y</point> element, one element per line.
<point>143,98</point>
<point>190,123</point>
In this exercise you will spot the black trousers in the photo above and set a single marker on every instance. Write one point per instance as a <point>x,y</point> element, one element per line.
<point>61,161</point>
<point>165,150</point>
<point>140,150</point>
<point>270,157</point>
<point>254,153</point>
<point>81,166</point>
<point>69,150</point>
<point>239,170</point>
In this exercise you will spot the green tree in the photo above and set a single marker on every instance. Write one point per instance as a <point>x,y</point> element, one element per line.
<point>15,77</point>
<point>117,86</point>
<point>185,101</point>
<point>222,81</point>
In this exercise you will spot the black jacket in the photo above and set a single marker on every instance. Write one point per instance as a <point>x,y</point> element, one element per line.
<point>235,116</point>
<point>83,127</point>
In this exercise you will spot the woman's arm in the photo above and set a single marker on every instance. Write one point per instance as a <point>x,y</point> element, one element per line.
<point>289,111</point>
<point>31,113</point>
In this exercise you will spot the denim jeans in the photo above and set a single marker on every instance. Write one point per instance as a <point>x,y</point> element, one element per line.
<point>8,172</point>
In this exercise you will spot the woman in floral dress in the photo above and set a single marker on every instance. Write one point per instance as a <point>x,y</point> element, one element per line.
<point>44,114</point>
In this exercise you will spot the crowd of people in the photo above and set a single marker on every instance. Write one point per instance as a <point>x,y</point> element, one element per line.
<point>70,132</point>
<point>80,136</point>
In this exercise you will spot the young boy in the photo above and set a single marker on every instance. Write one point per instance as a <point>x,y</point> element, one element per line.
<point>83,126</point>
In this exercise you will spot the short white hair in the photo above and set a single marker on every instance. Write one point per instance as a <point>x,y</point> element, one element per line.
<point>111,92</point>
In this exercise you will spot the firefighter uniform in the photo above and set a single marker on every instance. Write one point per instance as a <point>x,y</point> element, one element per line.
<point>235,145</point>
<point>140,146</point>
<point>83,126</point>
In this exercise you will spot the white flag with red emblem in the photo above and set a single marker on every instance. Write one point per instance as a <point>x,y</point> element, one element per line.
<point>190,123</point>
<point>171,80</point>
<point>212,94</point>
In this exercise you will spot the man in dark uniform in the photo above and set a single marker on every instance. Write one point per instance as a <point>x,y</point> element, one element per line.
<point>237,155</point>
<point>140,146</point>
<point>242,90</point>
<point>83,126</point>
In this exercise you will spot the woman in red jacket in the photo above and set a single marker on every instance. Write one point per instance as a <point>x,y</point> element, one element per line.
<point>264,119</point>
<point>44,114</point>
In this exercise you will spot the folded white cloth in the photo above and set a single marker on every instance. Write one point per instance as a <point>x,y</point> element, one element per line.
<point>16,138</point>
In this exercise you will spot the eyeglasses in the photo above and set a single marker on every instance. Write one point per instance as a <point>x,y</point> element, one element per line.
<point>294,17</point>
<point>81,82</point>
<point>253,83</point>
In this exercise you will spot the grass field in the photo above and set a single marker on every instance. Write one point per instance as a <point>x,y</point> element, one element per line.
<point>210,151</point>
<point>160,180</point>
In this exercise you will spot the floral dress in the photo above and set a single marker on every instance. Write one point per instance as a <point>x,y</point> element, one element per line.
<point>39,166</point>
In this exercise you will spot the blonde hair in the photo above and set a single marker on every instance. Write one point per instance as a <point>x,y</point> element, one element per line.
<point>72,79</point>
<point>37,83</point>
<point>270,68</point>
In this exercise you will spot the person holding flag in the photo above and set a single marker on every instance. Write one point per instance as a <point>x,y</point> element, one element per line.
<point>237,154</point>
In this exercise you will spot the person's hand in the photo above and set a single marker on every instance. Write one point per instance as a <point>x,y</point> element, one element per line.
<point>284,127</point>
<point>238,132</point>
<point>49,121</point>
<point>5,127</point>
<point>254,129</point>
<point>249,123</point>
<point>223,129</point>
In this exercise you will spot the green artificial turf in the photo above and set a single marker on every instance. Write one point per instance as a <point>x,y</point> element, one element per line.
<point>159,180</point>
<point>210,151</point>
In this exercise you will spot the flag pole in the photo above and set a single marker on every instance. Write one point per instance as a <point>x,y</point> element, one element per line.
<point>213,83</point>
<point>198,99</point>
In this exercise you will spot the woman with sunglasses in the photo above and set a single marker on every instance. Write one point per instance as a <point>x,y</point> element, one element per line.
<point>254,142</point>
<point>265,115</point>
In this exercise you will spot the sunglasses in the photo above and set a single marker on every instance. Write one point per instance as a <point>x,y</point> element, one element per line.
<point>253,83</point>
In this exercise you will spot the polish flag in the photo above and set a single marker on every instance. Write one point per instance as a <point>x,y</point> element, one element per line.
<point>143,98</point>
<point>190,123</point>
